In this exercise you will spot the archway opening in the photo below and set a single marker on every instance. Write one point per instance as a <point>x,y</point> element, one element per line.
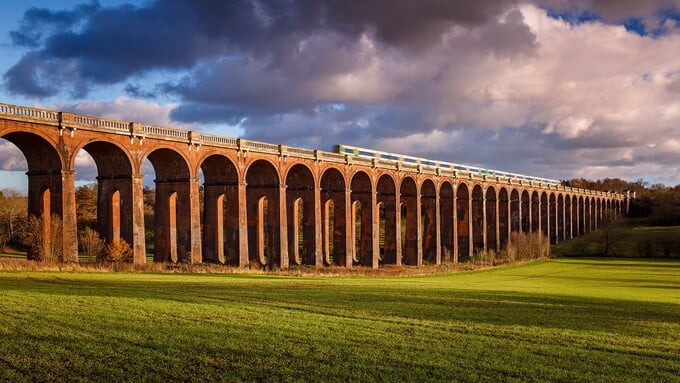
<point>220,228</point>
<point>105,205</point>
<point>362,192</point>
<point>552,219</point>
<point>526,213</point>
<point>300,215</point>
<point>515,219</point>
<point>409,221</point>
<point>463,224</point>
<point>586,216</point>
<point>561,235</point>
<point>428,226</point>
<point>568,231</point>
<point>34,224</point>
<point>477,219</point>
<point>446,219</point>
<point>503,218</point>
<point>491,212</point>
<point>333,220</point>
<point>262,202</point>
<point>387,219</point>
<point>172,207</point>
<point>535,213</point>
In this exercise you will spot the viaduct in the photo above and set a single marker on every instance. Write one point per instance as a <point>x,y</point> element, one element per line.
<point>275,205</point>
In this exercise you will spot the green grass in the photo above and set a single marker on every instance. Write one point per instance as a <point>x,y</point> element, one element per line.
<point>556,320</point>
<point>630,240</point>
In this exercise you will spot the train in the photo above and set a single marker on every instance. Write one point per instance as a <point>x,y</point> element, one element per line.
<point>384,156</point>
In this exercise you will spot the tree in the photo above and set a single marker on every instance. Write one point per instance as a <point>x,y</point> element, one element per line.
<point>86,205</point>
<point>609,234</point>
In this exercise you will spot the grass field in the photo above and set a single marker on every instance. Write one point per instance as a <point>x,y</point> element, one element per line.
<point>557,320</point>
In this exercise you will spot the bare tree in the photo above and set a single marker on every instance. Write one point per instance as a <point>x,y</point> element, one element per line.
<point>609,234</point>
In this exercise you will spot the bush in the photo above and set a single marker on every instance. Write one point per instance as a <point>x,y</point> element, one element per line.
<point>3,242</point>
<point>118,251</point>
<point>524,246</point>
<point>39,247</point>
<point>521,247</point>
<point>91,244</point>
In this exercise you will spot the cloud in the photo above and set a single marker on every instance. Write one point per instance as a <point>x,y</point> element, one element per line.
<point>546,87</point>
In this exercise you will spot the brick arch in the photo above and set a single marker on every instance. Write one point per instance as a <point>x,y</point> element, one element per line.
<point>173,222</point>
<point>114,189</point>
<point>110,155</point>
<point>267,243</point>
<point>45,188</point>
<point>463,221</point>
<point>300,188</point>
<point>206,162</point>
<point>252,161</point>
<point>297,164</point>
<point>490,212</point>
<point>147,155</point>
<point>428,220</point>
<point>503,216</point>
<point>335,217</point>
<point>515,216</point>
<point>552,217</point>
<point>361,197</point>
<point>408,211</point>
<point>220,232</point>
<point>386,199</point>
<point>477,214</point>
<point>446,219</point>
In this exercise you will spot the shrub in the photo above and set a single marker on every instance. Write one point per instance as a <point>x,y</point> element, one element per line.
<point>118,251</point>
<point>3,242</point>
<point>39,247</point>
<point>91,244</point>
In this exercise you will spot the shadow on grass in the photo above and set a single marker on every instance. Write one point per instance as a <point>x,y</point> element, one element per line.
<point>386,303</point>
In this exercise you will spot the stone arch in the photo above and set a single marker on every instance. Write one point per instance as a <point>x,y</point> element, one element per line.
<point>387,219</point>
<point>515,216</point>
<point>575,218</point>
<point>172,211</point>
<point>561,233</point>
<point>503,217</point>
<point>408,192</point>
<point>45,188</point>
<point>114,190</point>
<point>428,221</point>
<point>535,212</point>
<point>587,217</point>
<point>568,218</point>
<point>301,215</point>
<point>362,192</point>
<point>463,224</point>
<point>581,218</point>
<point>333,188</point>
<point>477,215</point>
<point>526,212</point>
<point>544,220</point>
<point>446,206</point>
<point>552,218</point>
<point>220,210</point>
<point>491,235</point>
<point>263,205</point>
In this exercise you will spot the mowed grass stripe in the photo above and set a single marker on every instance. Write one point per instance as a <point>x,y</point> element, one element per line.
<point>557,320</point>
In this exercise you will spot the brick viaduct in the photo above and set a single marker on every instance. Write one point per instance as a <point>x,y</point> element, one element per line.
<point>276,205</point>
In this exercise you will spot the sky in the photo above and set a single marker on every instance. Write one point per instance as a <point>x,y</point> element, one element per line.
<point>553,88</point>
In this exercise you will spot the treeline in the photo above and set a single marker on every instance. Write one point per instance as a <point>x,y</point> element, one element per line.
<point>658,204</point>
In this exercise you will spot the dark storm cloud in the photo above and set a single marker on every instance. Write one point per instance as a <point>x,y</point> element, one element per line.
<point>38,21</point>
<point>105,45</point>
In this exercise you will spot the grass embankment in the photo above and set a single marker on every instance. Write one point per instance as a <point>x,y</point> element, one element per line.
<point>560,320</point>
<point>628,239</point>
